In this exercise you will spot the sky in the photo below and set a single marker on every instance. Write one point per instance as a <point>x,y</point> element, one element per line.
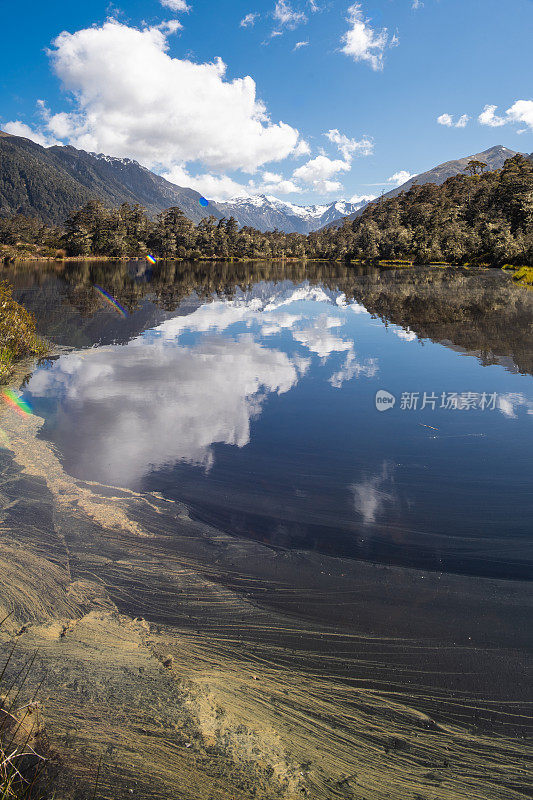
<point>307,100</point>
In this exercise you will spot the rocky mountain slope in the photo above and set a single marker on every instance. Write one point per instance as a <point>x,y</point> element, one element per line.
<point>51,182</point>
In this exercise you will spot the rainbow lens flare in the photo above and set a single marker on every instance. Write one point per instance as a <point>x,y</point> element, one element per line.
<point>203,202</point>
<point>16,403</point>
<point>150,258</point>
<point>111,300</point>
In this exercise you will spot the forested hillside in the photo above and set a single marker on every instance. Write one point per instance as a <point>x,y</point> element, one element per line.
<point>50,182</point>
<point>480,217</point>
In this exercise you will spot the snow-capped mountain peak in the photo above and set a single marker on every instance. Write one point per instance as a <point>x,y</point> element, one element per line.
<point>266,212</point>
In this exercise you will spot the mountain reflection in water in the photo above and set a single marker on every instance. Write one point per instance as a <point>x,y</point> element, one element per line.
<point>247,391</point>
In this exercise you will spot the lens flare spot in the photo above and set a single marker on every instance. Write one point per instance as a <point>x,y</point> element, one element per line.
<point>203,202</point>
<point>111,300</point>
<point>16,403</point>
<point>150,258</point>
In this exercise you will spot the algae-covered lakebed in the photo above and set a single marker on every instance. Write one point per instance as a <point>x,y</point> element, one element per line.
<point>242,578</point>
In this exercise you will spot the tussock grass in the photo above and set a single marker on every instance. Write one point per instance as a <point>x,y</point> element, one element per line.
<point>18,338</point>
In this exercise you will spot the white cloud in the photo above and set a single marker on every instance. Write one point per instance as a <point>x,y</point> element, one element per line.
<point>488,117</point>
<point>280,187</point>
<point>318,339</point>
<point>222,387</point>
<point>521,111</point>
<point>171,26</point>
<point>399,177</point>
<point>249,20</point>
<point>313,5</point>
<point>285,15</point>
<point>180,395</point>
<point>275,183</point>
<point>272,177</point>
<point>362,198</point>
<point>406,334</point>
<point>163,111</point>
<point>447,121</point>
<point>299,45</point>
<point>373,494</point>
<point>350,147</point>
<point>320,168</point>
<point>213,187</point>
<point>416,4</point>
<point>18,128</point>
<point>352,368</point>
<point>175,5</point>
<point>328,187</point>
<point>510,402</point>
<point>362,42</point>
<point>301,149</point>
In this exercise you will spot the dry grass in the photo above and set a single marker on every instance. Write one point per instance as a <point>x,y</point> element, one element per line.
<point>21,766</point>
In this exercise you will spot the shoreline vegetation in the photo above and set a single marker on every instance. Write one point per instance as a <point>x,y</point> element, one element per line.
<point>18,337</point>
<point>480,218</point>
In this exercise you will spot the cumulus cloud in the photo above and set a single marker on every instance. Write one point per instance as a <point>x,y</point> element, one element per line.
<point>400,177</point>
<point>447,121</point>
<point>249,20</point>
<point>317,338</point>
<point>362,198</point>
<point>362,42</point>
<point>320,168</point>
<point>521,111</point>
<point>272,182</point>
<point>286,16</point>
<point>350,147</point>
<point>222,387</point>
<point>488,117</point>
<point>318,171</point>
<point>214,187</point>
<point>163,111</point>
<point>175,5</point>
<point>18,128</point>
<point>223,187</point>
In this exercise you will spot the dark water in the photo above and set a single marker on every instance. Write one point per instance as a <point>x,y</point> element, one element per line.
<point>249,392</point>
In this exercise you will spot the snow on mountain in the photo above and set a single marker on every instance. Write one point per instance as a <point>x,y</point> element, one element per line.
<point>266,213</point>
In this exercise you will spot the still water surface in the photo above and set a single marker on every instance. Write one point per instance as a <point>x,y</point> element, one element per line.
<point>252,397</point>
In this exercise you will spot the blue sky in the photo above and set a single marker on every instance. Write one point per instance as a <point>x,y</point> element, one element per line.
<point>355,103</point>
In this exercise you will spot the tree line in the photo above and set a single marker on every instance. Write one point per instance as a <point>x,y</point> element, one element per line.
<point>479,217</point>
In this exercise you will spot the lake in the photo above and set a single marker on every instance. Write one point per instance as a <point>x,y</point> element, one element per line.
<point>268,527</point>
<point>255,404</point>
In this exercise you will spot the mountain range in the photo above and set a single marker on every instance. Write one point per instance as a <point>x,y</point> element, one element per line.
<point>50,182</point>
<point>265,213</point>
<point>495,157</point>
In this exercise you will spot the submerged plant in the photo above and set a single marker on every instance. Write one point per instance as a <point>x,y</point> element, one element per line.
<point>21,766</point>
<point>18,338</point>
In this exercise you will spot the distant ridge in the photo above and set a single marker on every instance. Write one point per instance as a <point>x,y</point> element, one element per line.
<point>495,157</point>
